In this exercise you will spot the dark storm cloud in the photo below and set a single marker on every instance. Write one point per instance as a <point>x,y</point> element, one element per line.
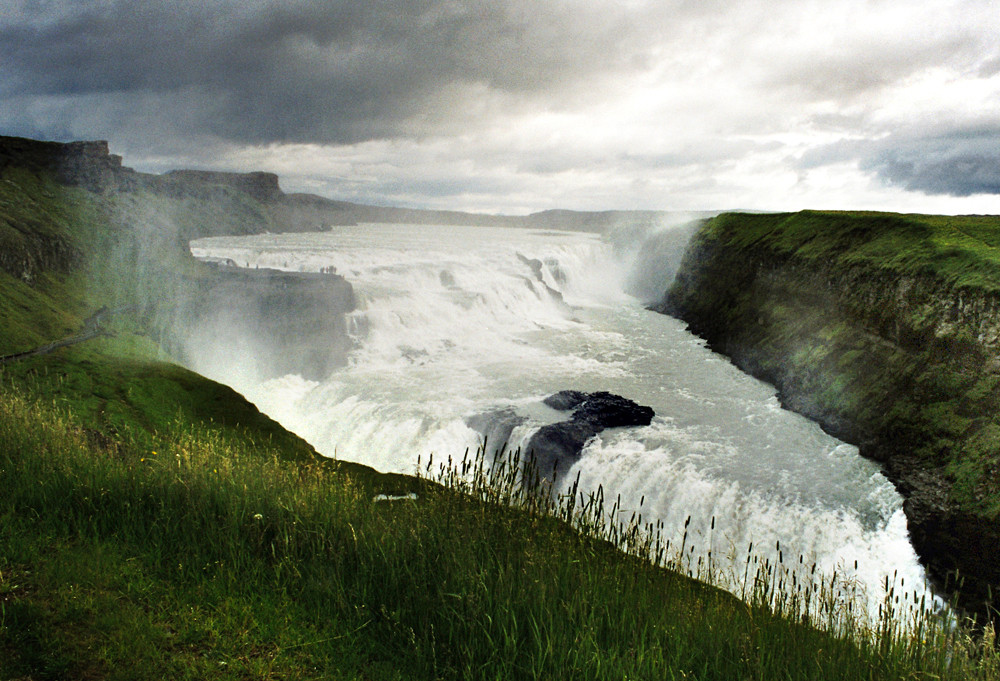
<point>960,162</point>
<point>487,102</point>
<point>305,71</point>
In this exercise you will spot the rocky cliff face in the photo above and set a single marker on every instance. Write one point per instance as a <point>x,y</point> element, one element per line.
<point>906,365</point>
<point>255,324</point>
<point>24,255</point>
<point>258,185</point>
<point>29,242</point>
<point>90,165</point>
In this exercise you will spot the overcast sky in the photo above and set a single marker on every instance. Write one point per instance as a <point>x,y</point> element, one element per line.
<point>520,105</point>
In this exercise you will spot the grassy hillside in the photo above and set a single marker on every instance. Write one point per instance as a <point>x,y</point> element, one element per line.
<point>153,524</point>
<point>206,559</point>
<point>884,328</point>
<point>67,253</point>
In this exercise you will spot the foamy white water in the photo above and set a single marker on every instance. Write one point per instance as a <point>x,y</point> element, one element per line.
<point>453,322</point>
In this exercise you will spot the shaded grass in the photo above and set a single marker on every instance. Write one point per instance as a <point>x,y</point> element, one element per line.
<point>205,561</point>
<point>116,389</point>
<point>31,317</point>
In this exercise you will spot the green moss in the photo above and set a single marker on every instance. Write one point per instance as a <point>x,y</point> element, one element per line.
<point>983,388</point>
<point>976,472</point>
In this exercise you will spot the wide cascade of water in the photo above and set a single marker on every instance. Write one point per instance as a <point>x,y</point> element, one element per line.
<point>455,322</point>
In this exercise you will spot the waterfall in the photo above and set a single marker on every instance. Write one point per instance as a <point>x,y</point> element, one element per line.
<point>455,324</point>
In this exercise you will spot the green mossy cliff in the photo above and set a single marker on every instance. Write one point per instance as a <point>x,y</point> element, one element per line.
<point>885,329</point>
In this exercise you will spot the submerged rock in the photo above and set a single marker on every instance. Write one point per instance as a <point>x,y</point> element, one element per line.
<point>557,446</point>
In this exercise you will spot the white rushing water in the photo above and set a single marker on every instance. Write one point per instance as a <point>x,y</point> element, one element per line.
<point>454,322</point>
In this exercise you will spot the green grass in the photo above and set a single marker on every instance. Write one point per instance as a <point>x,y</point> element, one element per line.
<point>137,396</point>
<point>206,561</point>
<point>31,315</point>
<point>962,251</point>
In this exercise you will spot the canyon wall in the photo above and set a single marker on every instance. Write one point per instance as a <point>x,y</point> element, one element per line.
<point>256,324</point>
<point>885,329</point>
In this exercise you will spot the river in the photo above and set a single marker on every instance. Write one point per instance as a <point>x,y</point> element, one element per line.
<point>455,322</point>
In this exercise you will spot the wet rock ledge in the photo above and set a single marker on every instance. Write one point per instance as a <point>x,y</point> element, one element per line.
<point>557,446</point>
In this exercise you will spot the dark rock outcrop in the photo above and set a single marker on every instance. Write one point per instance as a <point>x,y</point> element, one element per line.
<point>557,446</point>
<point>89,165</point>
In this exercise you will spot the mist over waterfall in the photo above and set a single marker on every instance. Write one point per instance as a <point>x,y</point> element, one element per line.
<point>476,325</point>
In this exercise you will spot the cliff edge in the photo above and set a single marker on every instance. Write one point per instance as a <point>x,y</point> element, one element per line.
<point>885,329</point>
<point>72,212</point>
